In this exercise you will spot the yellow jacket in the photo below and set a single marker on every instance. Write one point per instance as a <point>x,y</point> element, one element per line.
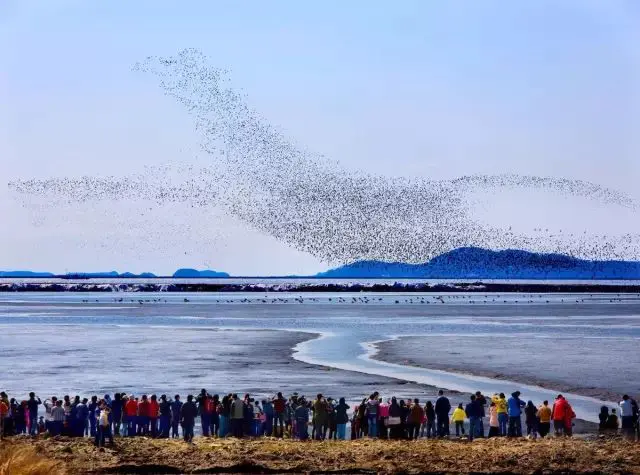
<point>544,413</point>
<point>458,415</point>
<point>501,404</point>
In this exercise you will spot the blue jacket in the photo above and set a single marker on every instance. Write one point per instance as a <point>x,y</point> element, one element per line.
<point>176,407</point>
<point>443,406</point>
<point>515,406</point>
<point>473,409</point>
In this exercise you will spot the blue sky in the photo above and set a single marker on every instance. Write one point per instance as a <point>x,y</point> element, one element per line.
<point>408,88</point>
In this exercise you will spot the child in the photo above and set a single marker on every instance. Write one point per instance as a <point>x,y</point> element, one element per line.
<point>612,422</point>
<point>41,425</point>
<point>494,425</point>
<point>458,418</point>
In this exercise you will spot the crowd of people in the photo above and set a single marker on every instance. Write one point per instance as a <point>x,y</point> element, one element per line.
<point>297,417</point>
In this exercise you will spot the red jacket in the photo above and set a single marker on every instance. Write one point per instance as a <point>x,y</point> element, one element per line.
<point>144,409</point>
<point>131,408</point>
<point>154,409</point>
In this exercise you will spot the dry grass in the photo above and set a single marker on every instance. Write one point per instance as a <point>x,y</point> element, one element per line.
<point>142,455</point>
<point>23,460</point>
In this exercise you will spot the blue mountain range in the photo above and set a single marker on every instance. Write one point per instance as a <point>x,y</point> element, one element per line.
<point>474,262</point>
<point>462,263</point>
<point>193,273</point>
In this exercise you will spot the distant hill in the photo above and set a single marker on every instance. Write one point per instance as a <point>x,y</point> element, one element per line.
<point>474,262</point>
<point>108,275</point>
<point>24,273</point>
<point>79,275</point>
<point>193,273</point>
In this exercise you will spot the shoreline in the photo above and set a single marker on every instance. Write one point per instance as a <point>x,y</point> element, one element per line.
<point>384,352</point>
<point>470,286</point>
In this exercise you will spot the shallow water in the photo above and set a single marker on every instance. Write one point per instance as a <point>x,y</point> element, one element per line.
<point>144,333</point>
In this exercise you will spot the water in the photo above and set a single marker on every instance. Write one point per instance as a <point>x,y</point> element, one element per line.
<point>64,342</point>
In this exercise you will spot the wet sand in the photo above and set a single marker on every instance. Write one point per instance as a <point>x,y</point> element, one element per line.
<point>507,358</point>
<point>175,360</point>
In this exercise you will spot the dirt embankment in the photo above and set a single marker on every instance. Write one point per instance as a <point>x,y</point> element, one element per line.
<point>142,455</point>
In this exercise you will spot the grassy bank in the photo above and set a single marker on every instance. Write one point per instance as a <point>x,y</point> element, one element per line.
<point>142,455</point>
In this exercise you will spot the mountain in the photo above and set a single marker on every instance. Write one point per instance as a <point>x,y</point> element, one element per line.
<point>106,275</point>
<point>193,273</point>
<point>474,262</point>
<point>24,273</point>
<point>78,275</point>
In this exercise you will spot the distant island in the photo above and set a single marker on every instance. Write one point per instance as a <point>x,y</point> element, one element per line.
<point>478,263</point>
<point>463,263</point>
<point>193,273</point>
<point>179,274</point>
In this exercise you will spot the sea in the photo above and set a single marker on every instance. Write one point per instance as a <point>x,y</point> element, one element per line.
<point>63,343</point>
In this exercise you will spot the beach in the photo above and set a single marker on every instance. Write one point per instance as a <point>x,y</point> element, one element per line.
<point>339,344</point>
<point>574,369</point>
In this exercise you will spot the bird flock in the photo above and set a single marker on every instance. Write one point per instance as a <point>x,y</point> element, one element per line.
<point>259,176</point>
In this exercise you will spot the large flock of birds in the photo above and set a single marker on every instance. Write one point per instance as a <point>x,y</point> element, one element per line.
<point>259,176</point>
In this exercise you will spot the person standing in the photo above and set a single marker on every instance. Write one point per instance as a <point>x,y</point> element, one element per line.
<point>494,426</point>
<point>164,409</point>
<point>502,412</point>
<point>4,414</point>
<point>203,410</point>
<point>626,416</point>
<point>188,414</point>
<point>430,415</point>
<point>32,405</point>
<point>416,414</point>
<point>515,406</point>
<point>474,412</point>
<point>320,417</point>
<point>116,413</point>
<point>544,419</point>
<point>104,426</point>
<point>131,415</point>
<point>301,414</point>
<point>93,408</point>
<point>443,406</point>
<point>531,419</point>
<point>342,417</point>
<point>154,413</point>
<point>176,409</point>
<point>279,407</point>
<point>372,415</point>
<point>458,417</point>
<point>57,419</point>
<point>237,416</point>
<point>482,402</point>
<point>82,414</point>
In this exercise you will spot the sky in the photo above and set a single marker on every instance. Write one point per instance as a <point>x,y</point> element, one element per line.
<point>406,88</point>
